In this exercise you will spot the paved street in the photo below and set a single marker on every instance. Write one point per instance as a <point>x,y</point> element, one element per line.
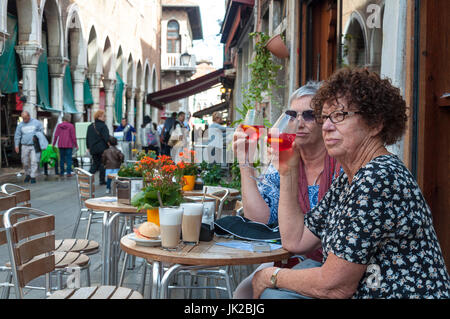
<point>58,196</point>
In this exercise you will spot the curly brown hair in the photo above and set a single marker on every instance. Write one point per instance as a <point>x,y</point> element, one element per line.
<point>377,100</point>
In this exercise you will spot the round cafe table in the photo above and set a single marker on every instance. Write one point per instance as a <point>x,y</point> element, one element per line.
<point>111,233</point>
<point>203,255</point>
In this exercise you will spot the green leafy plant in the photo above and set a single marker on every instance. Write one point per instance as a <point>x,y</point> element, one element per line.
<point>129,170</point>
<point>211,173</point>
<point>160,175</point>
<point>263,80</point>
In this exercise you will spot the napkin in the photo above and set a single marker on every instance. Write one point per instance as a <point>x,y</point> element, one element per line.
<point>245,245</point>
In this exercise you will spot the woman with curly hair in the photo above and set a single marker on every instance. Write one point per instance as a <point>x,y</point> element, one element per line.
<point>374,226</point>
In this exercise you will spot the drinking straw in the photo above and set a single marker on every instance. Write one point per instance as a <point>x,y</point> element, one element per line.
<point>204,193</point>
<point>159,199</point>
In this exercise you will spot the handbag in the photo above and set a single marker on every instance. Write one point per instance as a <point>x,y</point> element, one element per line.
<point>175,136</point>
<point>247,229</point>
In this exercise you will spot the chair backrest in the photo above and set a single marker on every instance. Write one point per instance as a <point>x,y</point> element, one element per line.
<point>23,195</point>
<point>31,244</point>
<point>85,185</point>
<point>6,202</point>
<point>219,196</point>
<point>238,208</point>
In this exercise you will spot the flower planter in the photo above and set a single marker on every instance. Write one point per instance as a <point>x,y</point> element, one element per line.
<point>189,182</point>
<point>153,216</point>
<point>277,46</point>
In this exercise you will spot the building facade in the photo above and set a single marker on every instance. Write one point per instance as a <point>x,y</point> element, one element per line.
<point>180,26</point>
<point>77,56</point>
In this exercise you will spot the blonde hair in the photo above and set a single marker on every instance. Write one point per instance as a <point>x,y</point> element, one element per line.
<point>98,114</point>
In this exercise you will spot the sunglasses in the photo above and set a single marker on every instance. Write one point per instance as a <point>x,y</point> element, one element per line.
<point>308,115</point>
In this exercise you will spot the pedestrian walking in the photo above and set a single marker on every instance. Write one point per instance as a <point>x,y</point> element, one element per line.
<point>169,138</point>
<point>112,158</point>
<point>66,141</point>
<point>25,141</point>
<point>217,136</point>
<point>149,136</point>
<point>97,142</point>
<point>128,132</point>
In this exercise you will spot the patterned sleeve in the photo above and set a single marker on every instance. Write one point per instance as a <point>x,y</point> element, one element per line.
<point>366,218</point>
<point>270,192</point>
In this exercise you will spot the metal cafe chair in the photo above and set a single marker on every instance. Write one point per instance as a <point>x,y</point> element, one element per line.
<point>86,190</point>
<point>66,260</point>
<point>23,198</point>
<point>31,243</point>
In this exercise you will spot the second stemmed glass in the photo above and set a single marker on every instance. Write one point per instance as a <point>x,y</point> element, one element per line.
<point>253,127</point>
<point>281,136</point>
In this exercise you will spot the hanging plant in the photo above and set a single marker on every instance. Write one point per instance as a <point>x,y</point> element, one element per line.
<point>263,74</point>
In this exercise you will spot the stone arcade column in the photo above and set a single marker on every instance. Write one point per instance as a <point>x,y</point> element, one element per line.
<point>109,85</point>
<point>131,102</point>
<point>139,114</point>
<point>29,54</point>
<point>57,68</point>
<point>79,76</point>
<point>94,81</point>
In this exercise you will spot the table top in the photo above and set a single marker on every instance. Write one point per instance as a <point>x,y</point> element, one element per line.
<point>203,254</point>
<point>99,203</point>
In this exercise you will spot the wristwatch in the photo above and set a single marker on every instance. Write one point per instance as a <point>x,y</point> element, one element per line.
<point>273,278</point>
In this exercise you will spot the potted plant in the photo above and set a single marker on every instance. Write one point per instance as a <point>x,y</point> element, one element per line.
<point>162,186</point>
<point>129,182</point>
<point>263,79</point>
<point>277,46</point>
<point>188,168</point>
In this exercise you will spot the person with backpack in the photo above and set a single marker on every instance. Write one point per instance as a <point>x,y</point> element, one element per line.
<point>150,138</point>
<point>97,142</point>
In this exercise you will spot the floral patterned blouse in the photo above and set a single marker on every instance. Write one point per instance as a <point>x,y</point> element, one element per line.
<point>382,220</point>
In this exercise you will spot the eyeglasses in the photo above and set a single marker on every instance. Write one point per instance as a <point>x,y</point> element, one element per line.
<point>308,115</point>
<point>335,117</point>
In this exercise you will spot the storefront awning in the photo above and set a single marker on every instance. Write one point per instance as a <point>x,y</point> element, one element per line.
<point>180,91</point>
<point>8,66</point>
<point>87,93</point>
<point>68,98</point>
<point>118,99</point>
<point>211,109</point>
<point>42,84</point>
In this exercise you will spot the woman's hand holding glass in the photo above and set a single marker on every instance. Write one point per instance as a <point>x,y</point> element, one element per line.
<point>280,139</point>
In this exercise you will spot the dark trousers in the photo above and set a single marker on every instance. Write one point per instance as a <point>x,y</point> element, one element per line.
<point>97,165</point>
<point>46,168</point>
<point>165,149</point>
<point>65,156</point>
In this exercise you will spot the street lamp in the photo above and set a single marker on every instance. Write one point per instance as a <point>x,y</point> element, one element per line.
<point>185,59</point>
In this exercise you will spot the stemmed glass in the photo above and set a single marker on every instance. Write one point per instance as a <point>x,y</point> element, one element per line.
<point>281,136</point>
<point>253,127</point>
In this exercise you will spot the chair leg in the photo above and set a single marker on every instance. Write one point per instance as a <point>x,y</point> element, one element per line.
<point>89,222</point>
<point>77,223</point>
<point>7,289</point>
<point>144,275</point>
<point>122,273</point>
<point>88,276</point>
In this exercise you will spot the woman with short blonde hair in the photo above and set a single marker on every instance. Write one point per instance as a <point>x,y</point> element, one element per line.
<point>99,114</point>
